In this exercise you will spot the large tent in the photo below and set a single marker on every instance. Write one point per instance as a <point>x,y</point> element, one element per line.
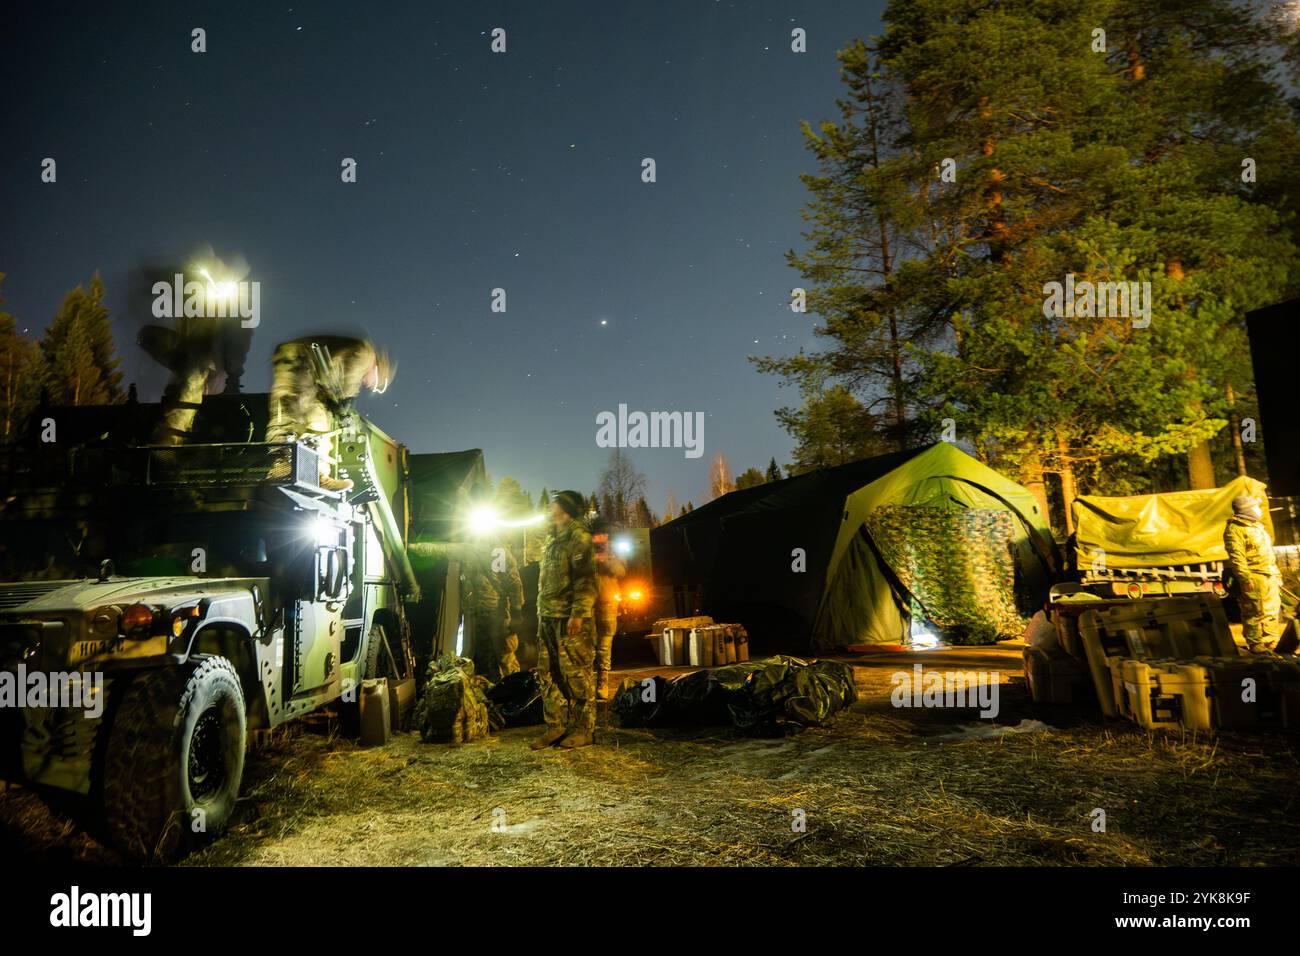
<point>738,557</point>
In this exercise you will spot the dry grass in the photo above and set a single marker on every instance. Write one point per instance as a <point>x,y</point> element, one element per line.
<point>881,786</point>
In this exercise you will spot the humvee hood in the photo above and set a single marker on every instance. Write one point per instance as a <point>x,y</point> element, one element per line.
<point>48,596</point>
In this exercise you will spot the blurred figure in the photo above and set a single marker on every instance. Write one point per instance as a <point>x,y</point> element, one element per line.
<point>197,348</point>
<point>610,569</point>
<point>496,593</point>
<point>1254,566</point>
<point>306,400</point>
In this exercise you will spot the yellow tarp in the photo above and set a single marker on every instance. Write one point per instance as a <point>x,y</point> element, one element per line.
<point>1142,531</point>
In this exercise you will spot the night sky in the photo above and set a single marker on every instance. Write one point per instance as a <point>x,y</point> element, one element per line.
<point>475,170</point>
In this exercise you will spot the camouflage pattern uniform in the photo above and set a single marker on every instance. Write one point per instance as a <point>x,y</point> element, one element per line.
<point>1250,556</point>
<point>609,569</point>
<point>298,408</point>
<point>190,352</point>
<point>567,589</point>
<point>493,596</point>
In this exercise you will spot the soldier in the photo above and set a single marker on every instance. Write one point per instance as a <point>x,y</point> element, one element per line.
<point>566,637</point>
<point>301,404</point>
<point>1250,556</point>
<point>609,569</point>
<point>496,592</point>
<point>191,352</point>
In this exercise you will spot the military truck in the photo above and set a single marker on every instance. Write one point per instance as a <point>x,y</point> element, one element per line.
<point>183,597</point>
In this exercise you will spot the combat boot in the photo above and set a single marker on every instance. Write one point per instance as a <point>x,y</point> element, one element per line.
<point>330,483</point>
<point>581,738</point>
<point>602,685</point>
<point>547,739</point>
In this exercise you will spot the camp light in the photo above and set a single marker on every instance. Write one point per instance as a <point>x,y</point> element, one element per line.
<point>922,637</point>
<point>623,546</point>
<point>484,519</point>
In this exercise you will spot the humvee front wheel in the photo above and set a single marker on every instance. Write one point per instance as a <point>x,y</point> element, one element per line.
<point>174,759</point>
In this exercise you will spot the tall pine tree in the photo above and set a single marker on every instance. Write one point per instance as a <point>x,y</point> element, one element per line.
<point>79,358</point>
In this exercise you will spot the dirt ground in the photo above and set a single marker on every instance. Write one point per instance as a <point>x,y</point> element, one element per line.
<point>881,785</point>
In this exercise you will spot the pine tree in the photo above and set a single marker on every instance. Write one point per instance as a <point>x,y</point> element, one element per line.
<point>20,374</point>
<point>773,470</point>
<point>830,428</point>
<point>79,358</point>
<point>1021,154</point>
<point>642,516</point>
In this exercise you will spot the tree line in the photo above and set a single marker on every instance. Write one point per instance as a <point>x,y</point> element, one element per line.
<point>984,151</point>
<point>73,363</point>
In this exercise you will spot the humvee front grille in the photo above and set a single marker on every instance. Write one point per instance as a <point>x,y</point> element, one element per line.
<point>16,595</point>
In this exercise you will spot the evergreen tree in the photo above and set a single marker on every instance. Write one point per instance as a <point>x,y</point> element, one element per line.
<point>830,428</point>
<point>773,471</point>
<point>1019,152</point>
<point>20,375</point>
<point>642,516</point>
<point>77,351</point>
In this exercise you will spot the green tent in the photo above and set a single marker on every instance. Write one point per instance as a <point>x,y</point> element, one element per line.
<point>738,558</point>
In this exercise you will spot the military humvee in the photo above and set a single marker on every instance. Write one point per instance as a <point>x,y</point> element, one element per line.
<point>180,597</point>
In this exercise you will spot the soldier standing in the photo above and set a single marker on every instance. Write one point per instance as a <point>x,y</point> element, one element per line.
<point>609,569</point>
<point>1250,556</point>
<point>566,637</point>
<point>300,404</point>
<point>496,591</point>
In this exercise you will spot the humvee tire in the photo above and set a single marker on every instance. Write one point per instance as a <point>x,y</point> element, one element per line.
<point>176,746</point>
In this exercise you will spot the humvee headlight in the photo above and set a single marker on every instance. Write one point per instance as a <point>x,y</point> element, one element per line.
<point>178,625</point>
<point>138,617</point>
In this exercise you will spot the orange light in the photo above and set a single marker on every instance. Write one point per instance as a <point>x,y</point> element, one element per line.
<point>635,595</point>
<point>137,617</point>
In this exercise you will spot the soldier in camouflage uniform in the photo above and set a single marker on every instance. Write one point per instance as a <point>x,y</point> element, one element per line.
<point>609,569</point>
<point>566,636</point>
<point>496,591</point>
<point>192,351</point>
<point>1250,556</point>
<point>300,407</point>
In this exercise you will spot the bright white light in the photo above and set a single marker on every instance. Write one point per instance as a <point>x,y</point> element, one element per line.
<point>483,519</point>
<point>531,519</point>
<point>922,638</point>
<point>324,530</point>
<point>623,546</point>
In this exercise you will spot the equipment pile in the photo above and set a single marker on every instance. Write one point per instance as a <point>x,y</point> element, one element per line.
<point>773,696</point>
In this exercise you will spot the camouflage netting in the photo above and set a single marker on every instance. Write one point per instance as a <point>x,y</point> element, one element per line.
<point>454,707</point>
<point>958,564</point>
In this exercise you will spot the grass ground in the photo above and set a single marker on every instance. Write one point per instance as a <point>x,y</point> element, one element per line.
<point>881,785</point>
